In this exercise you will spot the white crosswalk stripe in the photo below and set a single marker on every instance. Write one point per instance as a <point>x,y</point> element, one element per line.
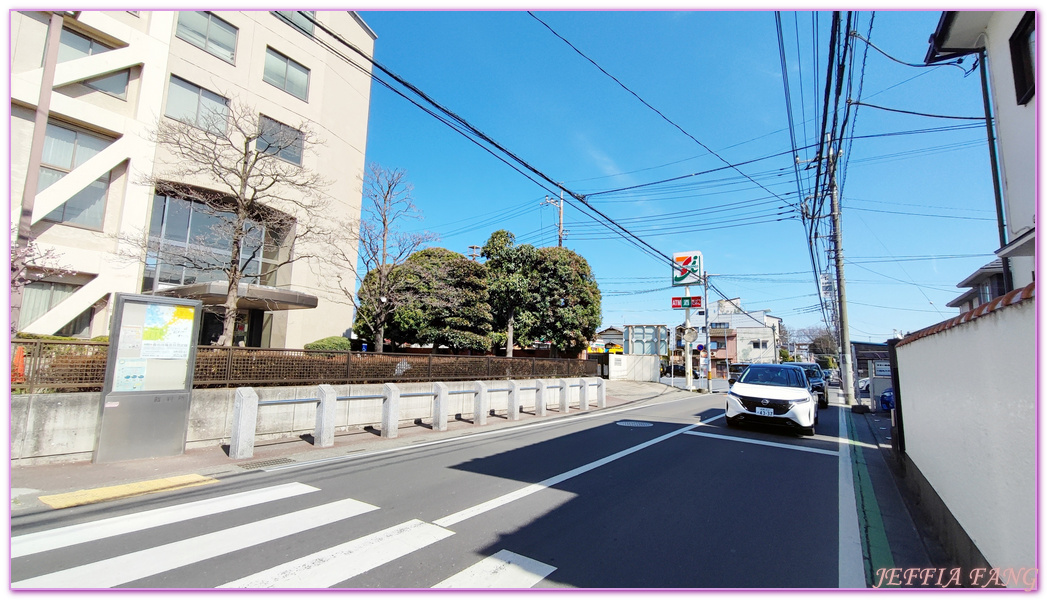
<point>328,567</point>
<point>136,565</point>
<point>503,570</point>
<point>32,543</point>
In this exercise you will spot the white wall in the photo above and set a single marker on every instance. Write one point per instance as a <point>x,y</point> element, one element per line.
<point>970,427</point>
<point>634,367</point>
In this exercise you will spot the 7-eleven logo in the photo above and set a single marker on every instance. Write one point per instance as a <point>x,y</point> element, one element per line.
<point>688,269</point>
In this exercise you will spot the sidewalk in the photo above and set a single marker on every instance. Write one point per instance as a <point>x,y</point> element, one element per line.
<point>135,477</point>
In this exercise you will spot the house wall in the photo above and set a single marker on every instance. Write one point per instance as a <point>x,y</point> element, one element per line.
<point>970,428</point>
<point>1016,129</point>
<point>634,367</point>
<point>337,108</point>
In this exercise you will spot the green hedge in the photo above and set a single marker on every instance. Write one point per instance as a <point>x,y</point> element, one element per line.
<point>335,342</point>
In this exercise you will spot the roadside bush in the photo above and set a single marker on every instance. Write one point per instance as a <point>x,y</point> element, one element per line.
<point>335,342</point>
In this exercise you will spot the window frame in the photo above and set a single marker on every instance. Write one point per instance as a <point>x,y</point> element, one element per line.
<point>206,34</point>
<point>66,169</point>
<point>199,103</point>
<point>1022,59</point>
<point>94,44</point>
<point>279,153</point>
<point>287,63</point>
<point>288,16</point>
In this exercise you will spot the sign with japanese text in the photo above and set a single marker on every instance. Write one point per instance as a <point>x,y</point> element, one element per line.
<point>688,302</point>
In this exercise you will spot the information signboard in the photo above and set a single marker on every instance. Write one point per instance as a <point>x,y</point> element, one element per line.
<point>148,378</point>
<point>687,302</point>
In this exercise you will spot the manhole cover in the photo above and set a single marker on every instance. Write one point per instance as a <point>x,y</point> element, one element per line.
<point>633,424</point>
<point>261,464</point>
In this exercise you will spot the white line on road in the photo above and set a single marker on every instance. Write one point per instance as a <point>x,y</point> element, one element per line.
<point>333,565</point>
<point>43,541</point>
<point>851,561</point>
<point>537,487</point>
<point>763,443</point>
<point>503,570</point>
<point>136,565</point>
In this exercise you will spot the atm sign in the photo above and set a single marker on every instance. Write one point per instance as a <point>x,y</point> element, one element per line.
<point>688,302</point>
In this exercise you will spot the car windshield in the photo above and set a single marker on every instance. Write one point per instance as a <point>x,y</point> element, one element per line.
<point>770,375</point>
<point>812,373</point>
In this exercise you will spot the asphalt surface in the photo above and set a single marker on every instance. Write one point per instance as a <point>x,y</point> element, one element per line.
<point>652,492</point>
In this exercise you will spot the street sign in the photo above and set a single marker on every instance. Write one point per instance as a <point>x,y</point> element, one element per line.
<point>687,302</point>
<point>688,268</point>
<point>882,368</point>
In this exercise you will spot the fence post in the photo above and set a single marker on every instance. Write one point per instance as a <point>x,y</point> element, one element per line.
<point>539,398</point>
<point>514,400</point>
<point>488,367</point>
<point>439,404</point>
<point>534,366</point>
<point>349,367</point>
<point>390,410</point>
<point>480,403</point>
<point>245,418</point>
<point>601,393</point>
<point>430,366</point>
<point>229,364</point>
<point>583,394</point>
<point>565,394</point>
<point>323,437</point>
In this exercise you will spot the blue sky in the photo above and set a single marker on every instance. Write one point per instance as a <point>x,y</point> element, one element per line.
<point>918,212</point>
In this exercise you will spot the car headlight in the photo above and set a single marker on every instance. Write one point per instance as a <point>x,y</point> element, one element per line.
<point>734,397</point>
<point>800,401</point>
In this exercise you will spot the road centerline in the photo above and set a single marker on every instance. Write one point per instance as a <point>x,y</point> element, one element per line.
<point>504,499</point>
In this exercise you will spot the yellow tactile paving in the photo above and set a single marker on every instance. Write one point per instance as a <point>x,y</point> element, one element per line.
<point>80,497</point>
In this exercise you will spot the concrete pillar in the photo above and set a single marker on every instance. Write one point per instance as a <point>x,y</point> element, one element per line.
<point>583,394</point>
<point>539,398</point>
<point>565,394</point>
<point>480,404</point>
<point>514,400</point>
<point>390,410</point>
<point>601,393</point>
<point>245,419</point>
<point>440,406</point>
<point>323,437</point>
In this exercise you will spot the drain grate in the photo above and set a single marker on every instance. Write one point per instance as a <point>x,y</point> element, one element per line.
<point>634,424</point>
<point>261,464</point>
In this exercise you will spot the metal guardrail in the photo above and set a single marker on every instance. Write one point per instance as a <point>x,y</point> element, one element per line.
<point>46,366</point>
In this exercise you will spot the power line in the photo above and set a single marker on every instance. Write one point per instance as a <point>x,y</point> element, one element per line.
<point>919,114</point>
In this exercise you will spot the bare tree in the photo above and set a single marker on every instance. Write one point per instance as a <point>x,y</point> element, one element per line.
<point>29,264</point>
<point>375,288</point>
<point>247,172</point>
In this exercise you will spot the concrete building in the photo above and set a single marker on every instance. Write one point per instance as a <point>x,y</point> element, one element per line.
<point>737,335</point>
<point>982,286</point>
<point>100,92</point>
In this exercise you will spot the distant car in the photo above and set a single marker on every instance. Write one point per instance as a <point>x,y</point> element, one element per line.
<point>832,377</point>
<point>679,371</point>
<point>735,370</point>
<point>773,395</point>
<point>817,378</point>
<point>887,399</point>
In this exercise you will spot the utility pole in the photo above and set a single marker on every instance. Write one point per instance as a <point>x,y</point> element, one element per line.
<point>474,252</point>
<point>708,347</point>
<point>560,233</point>
<point>841,290</point>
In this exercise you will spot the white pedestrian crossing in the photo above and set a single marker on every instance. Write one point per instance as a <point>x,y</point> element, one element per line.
<point>144,563</point>
<point>503,570</point>
<point>328,567</point>
<point>32,543</point>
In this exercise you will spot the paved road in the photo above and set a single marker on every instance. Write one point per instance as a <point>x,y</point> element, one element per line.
<point>662,496</point>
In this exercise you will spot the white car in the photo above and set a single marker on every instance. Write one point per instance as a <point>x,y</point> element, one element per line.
<point>773,395</point>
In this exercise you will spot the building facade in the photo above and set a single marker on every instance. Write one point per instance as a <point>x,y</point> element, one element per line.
<point>736,335</point>
<point>84,179</point>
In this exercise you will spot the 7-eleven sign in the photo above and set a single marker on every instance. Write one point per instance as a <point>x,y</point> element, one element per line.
<point>688,269</point>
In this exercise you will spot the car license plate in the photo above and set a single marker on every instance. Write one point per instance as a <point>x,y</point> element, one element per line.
<point>767,412</point>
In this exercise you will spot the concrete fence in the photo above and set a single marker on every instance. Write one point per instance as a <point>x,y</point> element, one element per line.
<point>62,427</point>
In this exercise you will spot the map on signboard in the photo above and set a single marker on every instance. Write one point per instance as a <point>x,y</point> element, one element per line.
<point>168,331</point>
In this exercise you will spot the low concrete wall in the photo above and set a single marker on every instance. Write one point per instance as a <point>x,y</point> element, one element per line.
<point>47,428</point>
<point>969,417</point>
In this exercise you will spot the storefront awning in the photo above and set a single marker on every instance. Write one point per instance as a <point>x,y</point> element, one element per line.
<point>258,297</point>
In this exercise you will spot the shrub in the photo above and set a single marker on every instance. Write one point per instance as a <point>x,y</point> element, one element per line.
<point>335,342</point>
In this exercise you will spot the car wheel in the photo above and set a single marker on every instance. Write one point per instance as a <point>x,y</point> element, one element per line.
<point>823,401</point>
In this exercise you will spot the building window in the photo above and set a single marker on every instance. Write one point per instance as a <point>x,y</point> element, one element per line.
<point>64,150</point>
<point>719,325</point>
<point>208,32</point>
<point>39,297</point>
<point>756,344</point>
<point>279,139</point>
<point>302,19</point>
<point>72,45</point>
<point>1023,58</point>
<point>286,74</point>
<point>193,104</point>
<point>189,243</point>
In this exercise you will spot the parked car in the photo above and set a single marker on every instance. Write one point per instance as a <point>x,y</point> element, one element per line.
<point>832,377</point>
<point>735,370</point>
<point>817,379</point>
<point>678,371</point>
<point>887,399</point>
<point>774,395</point>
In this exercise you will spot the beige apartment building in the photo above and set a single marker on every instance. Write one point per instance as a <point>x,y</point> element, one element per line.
<point>116,76</point>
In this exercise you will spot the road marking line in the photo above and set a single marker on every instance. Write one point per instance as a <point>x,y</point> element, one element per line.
<point>502,570</point>
<point>92,496</point>
<point>328,567</point>
<point>763,443</point>
<point>481,508</point>
<point>851,566</point>
<point>42,541</point>
<point>136,565</point>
